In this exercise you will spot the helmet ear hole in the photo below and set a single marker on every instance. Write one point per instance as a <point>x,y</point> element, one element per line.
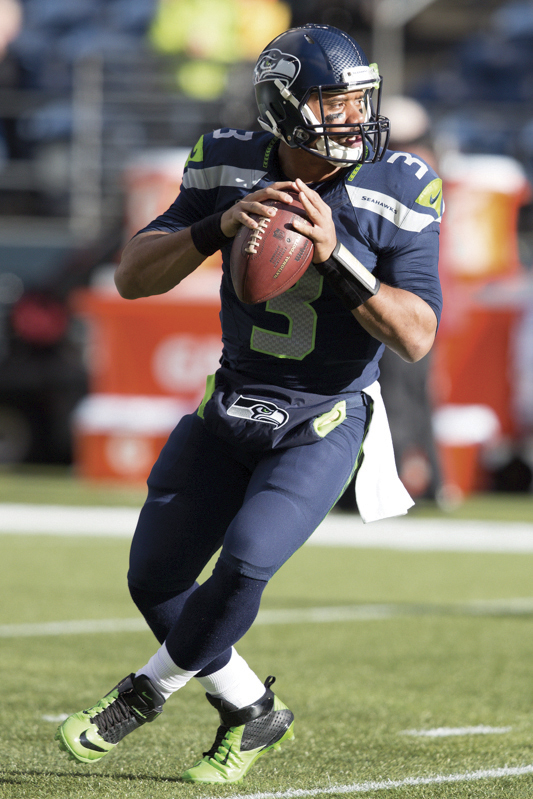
<point>301,136</point>
<point>275,113</point>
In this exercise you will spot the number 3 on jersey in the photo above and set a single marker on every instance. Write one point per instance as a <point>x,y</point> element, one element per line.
<point>295,305</point>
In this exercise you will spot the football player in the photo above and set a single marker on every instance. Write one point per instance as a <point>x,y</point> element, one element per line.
<point>257,484</point>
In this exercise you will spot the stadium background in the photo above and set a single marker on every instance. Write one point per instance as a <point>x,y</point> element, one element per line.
<point>100,102</point>
<point>404,647</point>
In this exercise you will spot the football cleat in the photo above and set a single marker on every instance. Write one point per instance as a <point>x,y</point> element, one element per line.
<point>244,735</point>
<point>91,734</point>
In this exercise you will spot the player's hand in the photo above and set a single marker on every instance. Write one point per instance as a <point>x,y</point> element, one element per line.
<point>320,229</point>
<point>239,214</point>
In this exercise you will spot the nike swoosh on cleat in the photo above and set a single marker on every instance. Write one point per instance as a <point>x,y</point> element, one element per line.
<point>225,761</point>
<point>89,744</point>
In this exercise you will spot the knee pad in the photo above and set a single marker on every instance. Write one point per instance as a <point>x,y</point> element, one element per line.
<point>245,569</point>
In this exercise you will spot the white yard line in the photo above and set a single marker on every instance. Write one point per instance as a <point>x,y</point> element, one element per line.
<point>384,785</point>
<point>447,732</point>
<point>81,627</point>
<point>417,534</point>
<point>338,529</point>
<point>317,615</point>
<point>67,520</point>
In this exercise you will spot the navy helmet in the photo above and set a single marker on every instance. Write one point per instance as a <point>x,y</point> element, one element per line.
<point>313,60</point>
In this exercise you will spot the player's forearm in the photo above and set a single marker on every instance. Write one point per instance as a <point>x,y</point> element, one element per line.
<point>155,262</point>
<point>401,320</point>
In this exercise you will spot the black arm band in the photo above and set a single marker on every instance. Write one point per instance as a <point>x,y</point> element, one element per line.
<point>348,278</point>
<point>207,234</point>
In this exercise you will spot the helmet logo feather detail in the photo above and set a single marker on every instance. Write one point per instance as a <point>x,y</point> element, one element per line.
<point>275,65</point>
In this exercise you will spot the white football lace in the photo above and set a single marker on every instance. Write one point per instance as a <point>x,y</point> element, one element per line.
<point>257,235</point>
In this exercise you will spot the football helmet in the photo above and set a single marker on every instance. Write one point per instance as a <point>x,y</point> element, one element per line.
<point>311,61</point>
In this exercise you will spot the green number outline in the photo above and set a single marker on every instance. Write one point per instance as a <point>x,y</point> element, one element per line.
<point>305,291</point>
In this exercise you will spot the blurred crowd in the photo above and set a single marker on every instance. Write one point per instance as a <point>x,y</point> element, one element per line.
<point>478,96</point>
<point>156,74</point>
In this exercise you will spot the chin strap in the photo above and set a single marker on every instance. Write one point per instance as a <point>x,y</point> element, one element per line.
<point>338,153</point>
<point>350,280</point>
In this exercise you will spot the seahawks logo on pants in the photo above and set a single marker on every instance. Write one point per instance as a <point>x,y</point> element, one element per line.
<point>258,411</point>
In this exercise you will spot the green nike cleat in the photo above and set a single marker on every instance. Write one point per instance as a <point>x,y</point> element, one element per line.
<point>245,735</point>
<point>91,734</point>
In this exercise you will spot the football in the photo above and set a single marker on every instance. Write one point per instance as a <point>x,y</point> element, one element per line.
<point>270,259</point>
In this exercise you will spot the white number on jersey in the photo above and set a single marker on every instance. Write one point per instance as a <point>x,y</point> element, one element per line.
<point>410,160</point>
<point>233,134</point>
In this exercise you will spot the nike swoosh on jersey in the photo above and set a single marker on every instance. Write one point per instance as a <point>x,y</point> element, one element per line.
<point>224,175</point>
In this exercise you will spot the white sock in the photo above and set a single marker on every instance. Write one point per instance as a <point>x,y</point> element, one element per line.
<point>235,682</point>
<point>164,674</point>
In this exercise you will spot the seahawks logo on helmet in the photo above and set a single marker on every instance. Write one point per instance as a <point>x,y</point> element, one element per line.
<point>258,411</point>
<point>275,65</point>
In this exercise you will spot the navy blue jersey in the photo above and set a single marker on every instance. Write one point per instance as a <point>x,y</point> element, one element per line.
<point>387,214</point>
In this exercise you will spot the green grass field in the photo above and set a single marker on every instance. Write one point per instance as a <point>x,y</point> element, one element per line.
<point>434,655</point>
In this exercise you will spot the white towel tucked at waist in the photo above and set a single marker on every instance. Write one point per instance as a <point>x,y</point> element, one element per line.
<point>378,490</point>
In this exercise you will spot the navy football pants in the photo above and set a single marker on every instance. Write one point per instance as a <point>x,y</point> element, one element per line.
<point>260,507</point>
